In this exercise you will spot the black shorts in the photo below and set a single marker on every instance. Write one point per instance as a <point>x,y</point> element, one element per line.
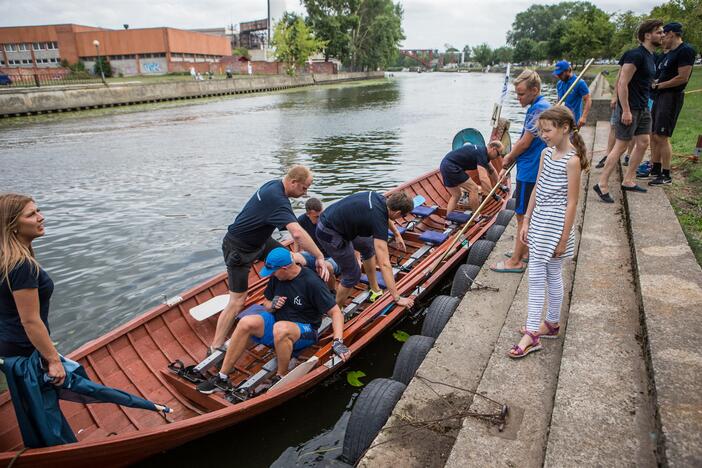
<point>522,193</point>
<point>239,259</point>
<point>666,109</point>
<point>452,174</point>
<point>8,349</point>
<point>640,125</point>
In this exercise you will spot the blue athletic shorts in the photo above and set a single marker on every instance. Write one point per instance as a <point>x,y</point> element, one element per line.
<point>308,335</point>
<point>522,193</point>
<point>311,262</point>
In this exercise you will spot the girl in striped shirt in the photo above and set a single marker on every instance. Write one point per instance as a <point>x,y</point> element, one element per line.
<point>548,224</point>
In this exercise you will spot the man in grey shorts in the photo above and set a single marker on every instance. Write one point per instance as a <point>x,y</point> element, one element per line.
<point>633,92</point>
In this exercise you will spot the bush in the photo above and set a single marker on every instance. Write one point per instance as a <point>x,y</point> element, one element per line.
<point>106,67</point>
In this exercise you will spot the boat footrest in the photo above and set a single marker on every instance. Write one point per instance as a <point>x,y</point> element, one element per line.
<point>400,229</point>
<point>379,275</point>
<point>459,217</point>
<point>424,211</point>
<point>434,237</point>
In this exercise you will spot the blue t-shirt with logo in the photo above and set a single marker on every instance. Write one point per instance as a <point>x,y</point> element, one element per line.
<point>268,208</point>
<point>363,214</point>
<point>574,101</point>
<point>528,161</point>
<point>23,276</point>
<point>308,298</point>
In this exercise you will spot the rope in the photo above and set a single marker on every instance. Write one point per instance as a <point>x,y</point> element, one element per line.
<point>16,457</point>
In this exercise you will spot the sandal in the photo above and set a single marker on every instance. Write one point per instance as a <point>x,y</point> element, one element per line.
<point>516,352</point>
<point>552,333</point>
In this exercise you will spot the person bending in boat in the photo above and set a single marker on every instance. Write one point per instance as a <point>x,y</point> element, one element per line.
<point>361,222</point>
<point>460,166</point>
<point>249,239</point>
<point>296,299</point>
<point>308,221</point>
<point>26,287</point>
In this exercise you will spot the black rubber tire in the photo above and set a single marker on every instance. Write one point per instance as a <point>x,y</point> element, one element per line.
<point>463,279</point>
<point>411,356</point>
<point>511,204</point>
<point>493,234</point>
<point>370,412</point>
<point>479,252</point>
<point>504,217</point>
<point>438,314</point>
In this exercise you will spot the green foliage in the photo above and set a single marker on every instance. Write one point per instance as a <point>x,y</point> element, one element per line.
<point>587,34</point>
<point>525,51</point>
<point>332,21</point>
<point>377,35</point>
<point>624,36</point>
<point>102,65</point>
<point>502,54</point>
<point>294,42</point>
<point>400,335</point>
<point>241,52</point>
<point>482,54</point>
<point>353,378</point>
<point>466,52</point>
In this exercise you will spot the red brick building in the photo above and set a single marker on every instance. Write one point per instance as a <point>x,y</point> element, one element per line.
<point>130,51</point>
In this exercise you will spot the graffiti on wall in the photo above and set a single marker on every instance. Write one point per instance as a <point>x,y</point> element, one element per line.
<point>151,67</point>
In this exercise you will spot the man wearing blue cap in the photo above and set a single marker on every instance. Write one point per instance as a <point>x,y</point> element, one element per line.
<point>674,71</point>
<point>296,300</point>
<point>579,95</point>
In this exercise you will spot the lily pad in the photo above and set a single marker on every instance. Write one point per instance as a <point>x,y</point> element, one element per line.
<point>352,377</point>
<point>400,335</point>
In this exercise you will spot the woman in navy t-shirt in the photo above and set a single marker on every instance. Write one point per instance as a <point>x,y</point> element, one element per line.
<point>25,288</point>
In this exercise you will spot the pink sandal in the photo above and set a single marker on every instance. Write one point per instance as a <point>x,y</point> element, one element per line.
<point>516,352</point>
<point>552,334</point>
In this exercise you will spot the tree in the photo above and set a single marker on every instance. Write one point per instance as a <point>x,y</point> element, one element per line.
<point>624,36</point>
<point>502,54</point>
<point>525,51</point>
<point>466,52</point>
<point>377,34</point>
<point>686,12</point>
<point>294,43</point>
<point>106,67</point>
<point>332,21</point>
<point>587,34</point>
<point>482,54</point>
<point>241,52</point>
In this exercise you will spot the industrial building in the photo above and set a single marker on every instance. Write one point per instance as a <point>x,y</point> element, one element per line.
<point>130,51</point>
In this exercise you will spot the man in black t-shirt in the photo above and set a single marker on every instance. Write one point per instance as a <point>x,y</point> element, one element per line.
<point>296,299</point>
<point>308,222</point>
<point>360,222</point>
<point>673,73</point>
<point>249,239</point>
<point>633,92</point>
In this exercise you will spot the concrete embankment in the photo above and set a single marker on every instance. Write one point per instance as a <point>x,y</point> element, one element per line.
<point>40,100</point>
<point>618,388</point>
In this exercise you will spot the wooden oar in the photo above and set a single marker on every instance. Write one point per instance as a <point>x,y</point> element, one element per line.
<point>488,197</point>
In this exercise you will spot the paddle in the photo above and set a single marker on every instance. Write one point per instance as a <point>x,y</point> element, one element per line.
<point>488,197</point>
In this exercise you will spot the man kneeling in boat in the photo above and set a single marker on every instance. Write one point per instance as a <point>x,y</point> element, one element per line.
<point>460,169</point>
<point>361,222</point>
<point>249,238</point>
<point>296,299</point>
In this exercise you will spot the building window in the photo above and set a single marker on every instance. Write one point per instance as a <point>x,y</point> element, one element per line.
<point>22,46</point>
<point>36,46</point>
<point>9,47</point>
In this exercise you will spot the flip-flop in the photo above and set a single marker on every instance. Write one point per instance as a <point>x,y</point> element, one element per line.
<point>499,267</point>
<point>509,253</point>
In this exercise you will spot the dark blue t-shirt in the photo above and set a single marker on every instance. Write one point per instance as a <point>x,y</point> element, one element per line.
<point>574,101</point>
<point>311,229</point>
<point>640,84</point>
<point>22,276</point>
<point>363,214</point>
<point>528,161</point>
<point>468,157</point>
<point>682,56</point>
<point>308,298</point>
<point>268,208</point>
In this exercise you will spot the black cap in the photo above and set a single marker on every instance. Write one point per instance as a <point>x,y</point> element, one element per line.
<point>674,26</point>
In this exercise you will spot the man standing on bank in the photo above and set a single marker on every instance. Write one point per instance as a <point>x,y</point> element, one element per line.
<point>361,222</point>
<point>527,153</point>
<point>579,100</point>
<point>249,239</point>
<point>674,72</point>
<point>633,91</point>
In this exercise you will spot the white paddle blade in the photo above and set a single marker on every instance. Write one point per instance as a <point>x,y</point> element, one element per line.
<point>300,371</point>
<point>210,307</point>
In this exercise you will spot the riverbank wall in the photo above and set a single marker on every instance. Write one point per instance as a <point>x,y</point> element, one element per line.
<point>22,102</point>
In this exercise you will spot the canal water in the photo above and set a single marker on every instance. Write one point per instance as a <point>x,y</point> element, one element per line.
<point>137,203</point>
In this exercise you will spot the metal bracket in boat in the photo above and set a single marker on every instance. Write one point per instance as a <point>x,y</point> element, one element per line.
<point>187,372</point>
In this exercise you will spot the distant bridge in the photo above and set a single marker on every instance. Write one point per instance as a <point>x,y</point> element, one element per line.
<point>416,53</point>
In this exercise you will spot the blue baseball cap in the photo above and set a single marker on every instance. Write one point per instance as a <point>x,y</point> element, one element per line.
<point>276,259</point>
<point>561,66</point>
<point>674,26</point>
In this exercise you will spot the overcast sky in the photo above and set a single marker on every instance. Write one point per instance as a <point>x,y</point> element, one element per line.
<point>427,23</point>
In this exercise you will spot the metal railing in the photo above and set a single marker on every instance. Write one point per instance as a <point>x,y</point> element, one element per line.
<point>17,80</point>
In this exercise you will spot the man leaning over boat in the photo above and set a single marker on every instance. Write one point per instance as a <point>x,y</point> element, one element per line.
<point>295,299</point>
<point>249,239</point>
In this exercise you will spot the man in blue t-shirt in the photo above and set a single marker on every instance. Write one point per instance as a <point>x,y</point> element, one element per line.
<point>633,91</point>
<point>527,154</point>
<point>673,72</point>
<point>295,300</point>
<point>249,239</point>
<point>578,101</point>
<point>360,222</point>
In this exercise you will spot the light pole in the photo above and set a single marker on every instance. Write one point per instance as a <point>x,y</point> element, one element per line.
<point>96,43</point>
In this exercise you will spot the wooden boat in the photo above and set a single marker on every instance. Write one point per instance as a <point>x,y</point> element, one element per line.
<point>136,356</point>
